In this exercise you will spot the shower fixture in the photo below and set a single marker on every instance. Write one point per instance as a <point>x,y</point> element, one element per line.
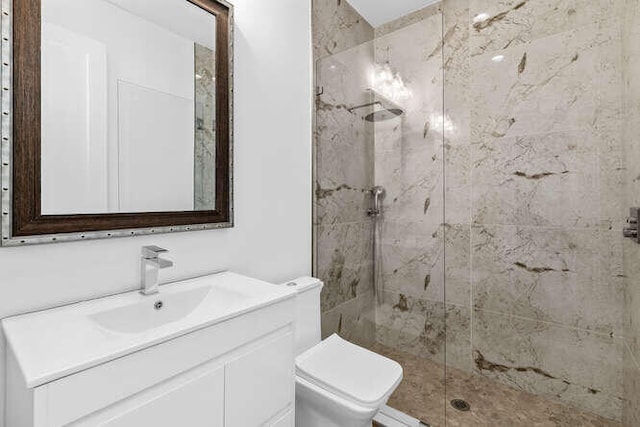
<point>632,230</point>
<point>378,115</point>
<point>377,194</point>
<point>382,115</point>
<point>388,109</point>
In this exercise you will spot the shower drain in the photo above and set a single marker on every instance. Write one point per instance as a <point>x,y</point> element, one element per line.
<point>461,405</point>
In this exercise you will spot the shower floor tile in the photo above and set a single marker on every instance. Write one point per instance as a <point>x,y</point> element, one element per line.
<point>421,392</point>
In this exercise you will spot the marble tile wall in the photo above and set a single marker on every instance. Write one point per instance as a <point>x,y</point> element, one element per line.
<point>533,173</point>
<point>409,164</point>
<point>406,20</point>
<point>337,26</point>
<point>205,134</point>
<point>501,246</point>
<point>544,87</point>
<point>343,150</point>
<point>631,131</point>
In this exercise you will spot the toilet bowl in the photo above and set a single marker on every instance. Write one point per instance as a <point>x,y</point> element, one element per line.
<point>338,384</point>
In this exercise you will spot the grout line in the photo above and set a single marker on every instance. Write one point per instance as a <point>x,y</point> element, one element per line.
<point>349,301</point>
<point>558,325</point>
<point>593,137</point>
<point>550,227</point>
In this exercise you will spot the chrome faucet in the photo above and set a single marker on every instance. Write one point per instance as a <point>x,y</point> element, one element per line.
<point>150,266</point>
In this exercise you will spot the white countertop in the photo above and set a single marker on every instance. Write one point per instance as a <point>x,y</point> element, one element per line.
<point>55,343</point>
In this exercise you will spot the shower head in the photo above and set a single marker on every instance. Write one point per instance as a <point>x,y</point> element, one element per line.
<point>384,114</point>
<point>387,110</point>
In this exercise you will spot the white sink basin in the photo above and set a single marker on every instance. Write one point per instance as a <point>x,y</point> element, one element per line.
<point>61,341</point>
<point>158,310</point>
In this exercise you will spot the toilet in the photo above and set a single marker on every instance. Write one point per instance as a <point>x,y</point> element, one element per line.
<point>338,384</point>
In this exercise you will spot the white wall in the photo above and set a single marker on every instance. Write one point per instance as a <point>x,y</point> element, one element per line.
<point>272,237</point>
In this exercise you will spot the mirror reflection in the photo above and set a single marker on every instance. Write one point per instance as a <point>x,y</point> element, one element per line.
<point>128,106</point>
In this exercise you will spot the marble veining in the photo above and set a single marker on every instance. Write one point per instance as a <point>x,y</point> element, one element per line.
<point>501,249</point>
<point>343,170</point>
<point>426,390</point>
<point>572,81</point>
<point>353,320</point>
<point>577,367</point>
<point>509,23</point>
<point>539,180</point>
<point>345,262</point>
<point>337,26</point>
<point>408,20</point>
<point>546,189</point>
<point>572,277</point>
<point>205,129</point>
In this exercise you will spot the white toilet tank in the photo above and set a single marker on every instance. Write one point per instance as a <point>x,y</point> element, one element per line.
<point>307,328</point>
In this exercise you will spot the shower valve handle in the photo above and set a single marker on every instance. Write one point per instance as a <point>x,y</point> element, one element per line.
<point>632,230</point>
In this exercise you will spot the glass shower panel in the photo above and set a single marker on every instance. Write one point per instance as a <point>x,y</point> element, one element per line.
<point>380,125</point>
<point>343,179</point>
<point>410,318</point>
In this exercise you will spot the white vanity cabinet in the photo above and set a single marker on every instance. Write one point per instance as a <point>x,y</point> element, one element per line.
<point>236,373</point>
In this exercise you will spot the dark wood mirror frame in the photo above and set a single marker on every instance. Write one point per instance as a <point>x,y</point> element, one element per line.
<point>25,193</point>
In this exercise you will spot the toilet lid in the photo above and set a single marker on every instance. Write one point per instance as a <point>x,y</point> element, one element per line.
<point>349,371</point>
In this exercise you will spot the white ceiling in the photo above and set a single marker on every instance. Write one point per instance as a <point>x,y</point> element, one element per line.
<point>379,12</point>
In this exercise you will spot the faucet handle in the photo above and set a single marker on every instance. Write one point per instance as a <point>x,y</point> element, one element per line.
<point>152,251</point>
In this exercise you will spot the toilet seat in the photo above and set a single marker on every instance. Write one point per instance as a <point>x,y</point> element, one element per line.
<point>351,372</point>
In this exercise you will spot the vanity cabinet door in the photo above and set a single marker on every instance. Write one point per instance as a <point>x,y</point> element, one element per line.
<point>260,384</point>
<point>187,400</point>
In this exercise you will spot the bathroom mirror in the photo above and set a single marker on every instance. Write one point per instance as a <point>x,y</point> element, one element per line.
<point>117,118</point>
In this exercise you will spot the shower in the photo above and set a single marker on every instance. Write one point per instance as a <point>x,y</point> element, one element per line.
<point>386,108</point>
<point>477,268</point>
<point>379,115</point>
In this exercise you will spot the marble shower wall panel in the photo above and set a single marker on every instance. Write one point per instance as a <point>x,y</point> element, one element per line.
<point>417,326</point>
<point>344,262</point>
<point>572,277</point>
<point>414,53</point>
<point>412,324</point>
<point>457,73</point>
<point>570,80</point>
<point>413,180</point>
<point>631,130</point>
<point>533,90</point>
<point>205,136</point>
<point>353,320</point>
<point>409,164</point>
<point>405,21</point>
<point>571,83</point>
<point>343,152</point>
<point>574,366</point>
<point>457,173</point>
<point>518,22</point>
<point>337,26</point>
<point>414,262</point>
<point>538,180</point>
